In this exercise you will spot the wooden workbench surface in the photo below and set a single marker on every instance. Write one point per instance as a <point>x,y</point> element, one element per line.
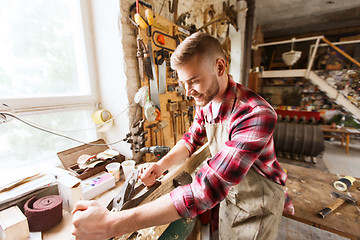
<point>64,229</point>
<point>310,191</point>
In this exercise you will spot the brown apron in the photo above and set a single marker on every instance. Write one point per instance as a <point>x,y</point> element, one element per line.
<point>253,208</point>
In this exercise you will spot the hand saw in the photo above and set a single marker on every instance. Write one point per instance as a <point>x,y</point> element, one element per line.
<point>154,92</point>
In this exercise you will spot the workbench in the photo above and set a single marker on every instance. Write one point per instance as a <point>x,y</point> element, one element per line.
<point>310,191</point>
<point>342,133</point>
<point>64,229</point>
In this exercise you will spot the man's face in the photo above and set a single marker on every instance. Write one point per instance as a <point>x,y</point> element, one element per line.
<point>199,80</point>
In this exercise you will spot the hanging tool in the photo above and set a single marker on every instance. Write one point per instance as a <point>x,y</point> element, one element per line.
<point>177,130</point>
<point>149,14</point>
<point>143,57</point>
<point>173,8</point>
<point>170,38</point>
<point>156,136</point>
<point>161,56</point>
<point>139,124</point>
<point>171,87</point>
<point>190,114</point>
<point>158,151</point>
<point>182,108</point>
<point>162,78</point>
<point>140,58</point>
<point>172,73</point>
<point>129,195</point>
<point>172,107</point>
<point>162,60</point>
<point>161,39</point>
<point>150,127</point>
<point>150,111</point>
<point>139,21</point>
<point>161,125</point>
<point>154,92</point>
<point>184,117</point>
<point>341,198</point>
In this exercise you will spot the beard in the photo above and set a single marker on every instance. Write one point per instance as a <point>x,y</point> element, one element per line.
<point>204,98</point>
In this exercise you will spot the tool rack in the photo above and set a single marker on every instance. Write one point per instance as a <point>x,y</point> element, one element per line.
<point>176,112</point>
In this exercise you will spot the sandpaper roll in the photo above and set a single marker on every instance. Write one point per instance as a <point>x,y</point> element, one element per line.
<point>43,213</point>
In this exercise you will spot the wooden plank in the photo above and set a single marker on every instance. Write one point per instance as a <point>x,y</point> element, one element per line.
<point>189,165</point>
<point>63,230</point>
<point>254,81</point>
<point>310,191</point>
<point>341,51</point>
<point>284,73</point>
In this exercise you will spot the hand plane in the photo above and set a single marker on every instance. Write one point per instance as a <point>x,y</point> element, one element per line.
<point>131,193</point>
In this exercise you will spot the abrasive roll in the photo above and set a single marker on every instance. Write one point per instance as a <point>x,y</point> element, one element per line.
<point>43,213</point>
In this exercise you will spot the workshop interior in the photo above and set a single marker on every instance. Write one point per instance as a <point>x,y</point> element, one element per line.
<point>88,97</point>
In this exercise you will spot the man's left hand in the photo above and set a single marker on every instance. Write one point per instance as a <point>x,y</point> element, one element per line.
<point>91,221</point>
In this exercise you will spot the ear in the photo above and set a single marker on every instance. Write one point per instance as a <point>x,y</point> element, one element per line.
<point>220,66</point>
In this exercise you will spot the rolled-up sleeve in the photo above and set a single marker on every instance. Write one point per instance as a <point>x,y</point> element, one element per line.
<point>196,135</point>
<point>250,131</point>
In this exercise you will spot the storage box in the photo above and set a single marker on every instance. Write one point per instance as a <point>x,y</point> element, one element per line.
<point>95,185</point>
<point>69,159</point>
<point>70,190</point>
<point>13,224</point>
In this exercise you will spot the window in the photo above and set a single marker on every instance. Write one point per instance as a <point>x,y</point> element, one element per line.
<point>23,145</point>
<point>46,76</point>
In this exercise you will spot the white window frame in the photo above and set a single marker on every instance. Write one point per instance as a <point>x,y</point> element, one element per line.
<point>51,103</point>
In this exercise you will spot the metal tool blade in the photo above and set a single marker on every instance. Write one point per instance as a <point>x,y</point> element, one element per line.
<point>162,78</point>
<point>126,192</point>
<point>141,68</point>
<point>154,93</point>
<point>141,192</point>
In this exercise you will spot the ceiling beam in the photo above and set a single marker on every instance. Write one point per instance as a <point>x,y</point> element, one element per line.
<point>308,24</point>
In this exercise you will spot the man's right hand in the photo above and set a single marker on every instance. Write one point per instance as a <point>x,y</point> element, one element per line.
<point>150,172</point>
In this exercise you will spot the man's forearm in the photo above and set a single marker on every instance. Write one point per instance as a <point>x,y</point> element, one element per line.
<point>176,155</point>
<point>155,213</point>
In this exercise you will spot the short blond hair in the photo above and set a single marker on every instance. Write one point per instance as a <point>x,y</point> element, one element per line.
<point>198,44</point>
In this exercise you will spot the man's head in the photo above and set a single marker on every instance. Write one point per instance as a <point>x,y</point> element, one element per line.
<point>200,63</point>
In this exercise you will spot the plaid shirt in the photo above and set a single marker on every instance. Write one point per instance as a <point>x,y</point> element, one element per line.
<point>251,123</point>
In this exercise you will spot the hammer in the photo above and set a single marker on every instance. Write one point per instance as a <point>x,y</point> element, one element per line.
<point>341,198</point>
